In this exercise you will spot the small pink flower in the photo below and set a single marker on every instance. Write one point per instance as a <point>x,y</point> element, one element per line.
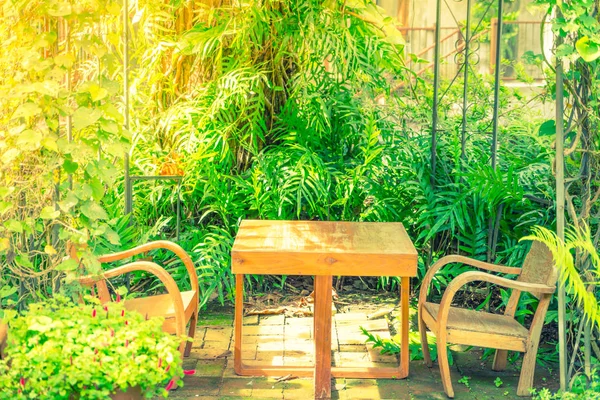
<point>126,322</point>
<point>122,313</point>
<point>22,382</point>
<point>159,362</point>
<point>170,384</point>
<point>189,371</point>
<point>168,368</point>
<point>118,297</point>
<point>94,313</point>
<point>106,308</point>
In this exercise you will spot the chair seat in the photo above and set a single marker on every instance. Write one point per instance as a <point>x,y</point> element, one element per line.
<point>162,306</point>
<point>478,328</point>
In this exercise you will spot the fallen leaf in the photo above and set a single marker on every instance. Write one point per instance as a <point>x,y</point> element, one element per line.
<point>288,377</point>
<point>380,313</point>
<point>268,311</point>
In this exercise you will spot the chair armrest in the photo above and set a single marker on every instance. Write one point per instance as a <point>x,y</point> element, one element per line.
<point>472,276</point>
<point>159,244</point>
<point>160,273</point>
<point>465,260</point>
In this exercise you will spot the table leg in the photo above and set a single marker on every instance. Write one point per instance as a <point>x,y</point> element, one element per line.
<point>322,324</point>
<point>404,351</point>
<point>238,319</point>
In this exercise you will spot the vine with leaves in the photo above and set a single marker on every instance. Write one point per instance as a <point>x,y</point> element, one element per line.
<point>577,29</point>
<point>60,138</point>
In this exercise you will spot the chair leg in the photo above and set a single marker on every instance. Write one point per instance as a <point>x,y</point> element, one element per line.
<point>444,367</point>
<point>191,333</point>
<point>527,371</point>
<point>424,345</point>
<point>500,360</point>
<point>182,349</point>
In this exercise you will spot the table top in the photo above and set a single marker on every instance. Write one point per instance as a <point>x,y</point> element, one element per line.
<point>323,248</point>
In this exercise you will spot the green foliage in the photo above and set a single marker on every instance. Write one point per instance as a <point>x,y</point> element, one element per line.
<point>276,119</point>
<point>54,181</point>
<point>575,281</point>
<point>577,42</point>
<point>391,346</point>
<point>583,388</point>
<point>271,110</point>
<point>61,350</point>
<point>465,381</point>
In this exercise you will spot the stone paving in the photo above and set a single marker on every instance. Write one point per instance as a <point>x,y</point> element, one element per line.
<point>280,340</point>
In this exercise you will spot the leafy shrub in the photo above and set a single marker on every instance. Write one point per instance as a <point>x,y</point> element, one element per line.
<point>59,349</point>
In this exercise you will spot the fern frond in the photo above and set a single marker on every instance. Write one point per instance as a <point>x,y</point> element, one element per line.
<point>579,240</point>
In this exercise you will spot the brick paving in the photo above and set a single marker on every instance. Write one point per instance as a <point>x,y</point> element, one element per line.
<point>279,340</point>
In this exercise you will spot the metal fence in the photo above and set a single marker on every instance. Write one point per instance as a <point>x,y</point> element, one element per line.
<point>522,41</point>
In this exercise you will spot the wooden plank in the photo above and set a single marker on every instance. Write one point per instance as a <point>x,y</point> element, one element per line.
<point>317,236</point>
<point>162,306</point>
<point>323,291</point>
<point>261,263</point>
<point>323,248</point>
<point>238,323</point>
<point>404,351</point>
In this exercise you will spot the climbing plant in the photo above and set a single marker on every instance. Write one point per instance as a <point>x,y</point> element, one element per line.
<point>577,30</point>
<point>61,137</point>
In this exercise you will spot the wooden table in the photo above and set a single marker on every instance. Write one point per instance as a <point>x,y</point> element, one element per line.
<point>323,249</point>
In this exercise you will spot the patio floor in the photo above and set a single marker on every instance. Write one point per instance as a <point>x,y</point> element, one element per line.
<point>281,340</point>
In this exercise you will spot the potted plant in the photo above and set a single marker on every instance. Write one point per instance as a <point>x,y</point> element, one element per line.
<point>59,349</point>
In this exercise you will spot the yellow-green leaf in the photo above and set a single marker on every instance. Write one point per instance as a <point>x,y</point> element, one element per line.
<point>587,49</point>
<point>65,60</point>
<point>14,226</point>
<point>29,139</point>
<point>5,206</point>
<point>93,211</point>
<point>67,265</point>
<point>4,244</point>
<point>10,155</point>
<point>50,250</point>
<point>49,212</point>
<point>69,202</point>
<point>50,144</point>
<point>5,191</point>
<point>40,323</point>
<point>27,110</point>
<point>97,93</point>
<point>84,117</point>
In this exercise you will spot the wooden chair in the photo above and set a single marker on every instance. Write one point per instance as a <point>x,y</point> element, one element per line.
<point>3,338</point>
<point>477,328</point>
<point>178,308</point>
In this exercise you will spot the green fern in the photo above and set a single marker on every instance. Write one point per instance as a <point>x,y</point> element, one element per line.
<point>576,281</point>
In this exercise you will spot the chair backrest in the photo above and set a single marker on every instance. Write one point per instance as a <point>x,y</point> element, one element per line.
<point>539,266</point>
